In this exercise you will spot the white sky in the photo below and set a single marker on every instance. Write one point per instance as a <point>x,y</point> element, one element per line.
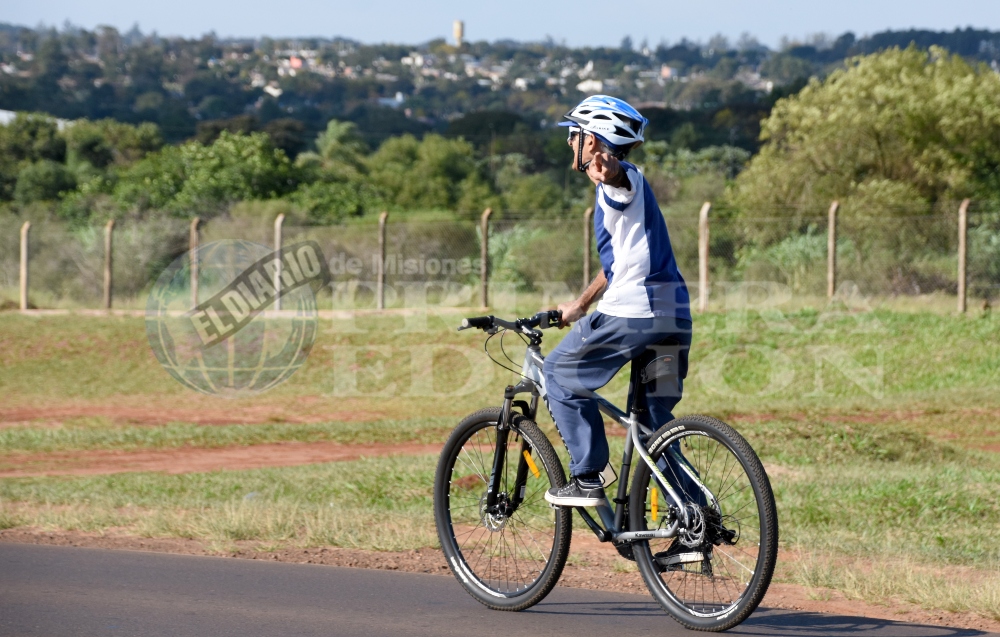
<point>584,22</point>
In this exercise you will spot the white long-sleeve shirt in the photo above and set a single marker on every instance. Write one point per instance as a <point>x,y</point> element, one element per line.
<point>635,251</point>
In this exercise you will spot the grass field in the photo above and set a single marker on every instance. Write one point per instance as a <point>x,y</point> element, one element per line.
<point>880,430</point>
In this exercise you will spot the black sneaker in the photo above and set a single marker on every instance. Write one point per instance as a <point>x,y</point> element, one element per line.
<point>678,555</point>
<point>576,494</point>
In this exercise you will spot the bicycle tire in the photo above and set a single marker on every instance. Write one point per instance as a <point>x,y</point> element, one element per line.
<point>700,614</point>
<point>485,586</point>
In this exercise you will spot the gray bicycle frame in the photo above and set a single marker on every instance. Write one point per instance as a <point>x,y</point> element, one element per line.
<point>533,381</point>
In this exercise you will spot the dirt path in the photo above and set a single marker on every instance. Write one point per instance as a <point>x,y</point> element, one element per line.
<point>199,412</point>
<point>196,460</point>
<point>592,566</point>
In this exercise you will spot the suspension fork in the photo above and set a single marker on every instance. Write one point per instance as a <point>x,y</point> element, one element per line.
<point>500,455</point>
<point>524,462</point>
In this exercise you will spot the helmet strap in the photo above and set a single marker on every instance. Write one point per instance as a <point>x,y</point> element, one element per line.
<point>579,153</point>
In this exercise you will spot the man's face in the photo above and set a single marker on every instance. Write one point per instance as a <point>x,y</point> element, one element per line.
<point>589,146</point>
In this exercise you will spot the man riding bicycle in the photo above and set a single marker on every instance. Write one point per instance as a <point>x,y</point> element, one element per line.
<point>645,300</point>
<point>702,528</point>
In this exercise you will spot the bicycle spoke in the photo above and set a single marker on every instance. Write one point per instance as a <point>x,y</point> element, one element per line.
<point>721,581</point>
<point>506,554</point>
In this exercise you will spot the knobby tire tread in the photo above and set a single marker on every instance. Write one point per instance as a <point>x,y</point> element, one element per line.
<point>769,545</point>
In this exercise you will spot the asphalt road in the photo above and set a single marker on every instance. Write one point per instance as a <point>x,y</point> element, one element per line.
<point>52,591</point>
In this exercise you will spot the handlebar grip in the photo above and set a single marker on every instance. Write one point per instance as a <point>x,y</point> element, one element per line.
<point>481,322</point>
<point>552,319</point>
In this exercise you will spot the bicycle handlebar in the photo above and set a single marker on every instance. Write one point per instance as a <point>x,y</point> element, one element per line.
<point>543,320</point>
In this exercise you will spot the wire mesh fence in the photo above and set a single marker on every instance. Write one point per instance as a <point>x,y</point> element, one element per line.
<point>418,262</point>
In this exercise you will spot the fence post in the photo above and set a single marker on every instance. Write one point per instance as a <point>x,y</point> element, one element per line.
<point>193,244</point>
<point>24,264</point>
<point>831,251</point>
<point>588,215</point>
<point>703,256</point>
<point>484,256</point>
<point>109,229</point>
<point>963,236</point>
<point>278,221</point>
<point>380,280</point>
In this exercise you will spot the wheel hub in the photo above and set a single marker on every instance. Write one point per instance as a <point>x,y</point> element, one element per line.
<point>495,518</point>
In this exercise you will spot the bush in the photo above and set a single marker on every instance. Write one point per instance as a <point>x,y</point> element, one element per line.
<point>44,180</point>
<point>327,203</point>
<point>193,179</point>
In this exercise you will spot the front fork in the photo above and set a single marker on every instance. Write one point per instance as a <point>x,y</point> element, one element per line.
<point>500,457</point>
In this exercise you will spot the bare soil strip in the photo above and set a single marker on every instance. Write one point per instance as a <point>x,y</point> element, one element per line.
<point>200,410</point>
<point>196,460</point>
<point>592,567</point>
<point>146,414</point>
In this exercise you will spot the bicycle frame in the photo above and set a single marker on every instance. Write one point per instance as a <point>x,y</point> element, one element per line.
<point>614,523</point>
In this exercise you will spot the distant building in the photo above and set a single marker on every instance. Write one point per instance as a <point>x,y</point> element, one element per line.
<point>392,102</point>
<point>590,86</point>
<point>668,72</point>
<point>6,117</point>
<point>458,30</point>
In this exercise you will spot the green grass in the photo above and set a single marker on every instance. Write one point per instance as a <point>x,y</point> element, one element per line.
<point>876,453</point>
<point>800,360</point>
<point>98,433</point>
<point>378,503</point>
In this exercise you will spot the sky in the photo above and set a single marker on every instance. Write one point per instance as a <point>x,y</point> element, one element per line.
<point>580,23</point>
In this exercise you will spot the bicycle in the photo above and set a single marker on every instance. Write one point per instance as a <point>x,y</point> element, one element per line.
<point>507,546</point>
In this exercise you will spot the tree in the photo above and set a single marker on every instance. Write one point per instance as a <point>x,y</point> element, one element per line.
<point>193,179</point>
<point>436,173</point>
<point>44,180</point>
<point>897,131</point>
<point>106,141</point>
<point>27,139</point>
<point>340,142</point>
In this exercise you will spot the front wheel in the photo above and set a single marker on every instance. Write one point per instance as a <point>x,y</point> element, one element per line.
<point>508,557</point>
<point>713,575</point>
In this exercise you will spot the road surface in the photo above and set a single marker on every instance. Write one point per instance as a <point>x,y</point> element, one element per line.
<point>53,591</point>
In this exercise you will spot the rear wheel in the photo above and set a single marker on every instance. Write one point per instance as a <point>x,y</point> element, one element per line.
<point>715,573</point>
<point>511,557</point>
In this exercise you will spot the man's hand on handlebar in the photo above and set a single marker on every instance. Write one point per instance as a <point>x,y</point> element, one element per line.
<point>572,312</point>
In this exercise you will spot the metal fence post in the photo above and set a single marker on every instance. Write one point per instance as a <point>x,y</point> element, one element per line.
<point>24,264</point>
<point>831,251</point>
<point>380,280</point>
<point>193,243</point>
<point>109,230</point>
<point>588,215</point>
<point>963,237</point>
<point>278,221</point>
<point>484,256</point>
<point>703,256</point>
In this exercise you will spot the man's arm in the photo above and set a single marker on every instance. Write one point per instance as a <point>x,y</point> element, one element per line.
<point>605,169</point>
<point>573,311</point>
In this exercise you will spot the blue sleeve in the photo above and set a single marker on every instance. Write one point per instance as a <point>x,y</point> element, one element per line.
<point>604,248</point>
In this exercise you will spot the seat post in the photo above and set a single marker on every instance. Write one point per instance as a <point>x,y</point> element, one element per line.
<point>636,399</point>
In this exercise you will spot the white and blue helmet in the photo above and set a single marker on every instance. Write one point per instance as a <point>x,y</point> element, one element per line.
<point>609,118</point>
